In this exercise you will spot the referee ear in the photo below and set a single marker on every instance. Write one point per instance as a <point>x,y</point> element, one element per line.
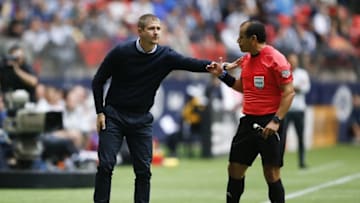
<point>253,37</point>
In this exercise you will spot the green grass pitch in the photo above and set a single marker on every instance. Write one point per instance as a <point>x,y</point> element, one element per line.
<point>333,176</point>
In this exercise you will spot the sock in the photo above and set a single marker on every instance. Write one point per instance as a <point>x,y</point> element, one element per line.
<point>276,192</point>
<point>235,188</point>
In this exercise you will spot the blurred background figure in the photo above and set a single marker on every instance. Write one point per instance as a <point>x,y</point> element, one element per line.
<point>2,111</point>
<point>172,127</point>
<point>192,115</point>
<point>214,96</point>
<point>16,73</point>
<point>296,113</point>
<point>5,146</point>
<point>355,119</point>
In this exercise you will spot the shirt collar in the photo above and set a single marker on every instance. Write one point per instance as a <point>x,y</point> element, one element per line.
<point>138,46</point>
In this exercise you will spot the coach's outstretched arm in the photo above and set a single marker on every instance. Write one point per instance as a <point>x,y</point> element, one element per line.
<point>219,69</point>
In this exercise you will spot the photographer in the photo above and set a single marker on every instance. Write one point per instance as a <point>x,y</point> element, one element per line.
<point>15,73</point>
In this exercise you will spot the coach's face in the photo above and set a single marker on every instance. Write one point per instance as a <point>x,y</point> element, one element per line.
<point>150,34</point>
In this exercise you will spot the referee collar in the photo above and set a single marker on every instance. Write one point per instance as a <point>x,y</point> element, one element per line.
<point>138,46</point>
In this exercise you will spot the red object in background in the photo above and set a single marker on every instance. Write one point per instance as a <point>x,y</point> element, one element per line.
<point>355,32</point>
<point>355,28</point>
<point>332,11</point>
<point>285,20</point>
<point>93,51</point>
<point>208,48</point>
<point>158,155</point>
<point>157,160</point>
<point>270,33</point>
<point>37,65</point>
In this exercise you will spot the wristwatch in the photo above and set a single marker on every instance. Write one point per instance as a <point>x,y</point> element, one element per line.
<point>276,119</point>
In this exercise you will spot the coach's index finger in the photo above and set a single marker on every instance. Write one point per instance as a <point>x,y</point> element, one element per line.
<point>223,65</point>
<point>221,62</point>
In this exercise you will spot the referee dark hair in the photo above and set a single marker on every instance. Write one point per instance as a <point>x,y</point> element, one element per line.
<point>266,84</point>
<point>136,69</point>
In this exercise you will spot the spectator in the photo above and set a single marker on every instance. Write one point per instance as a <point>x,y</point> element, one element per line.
<point>75,127</point>
<point>5,147</point>
<point>2,111</point>
<point>16,73</point>
<point>231,31</point>
<point>192,115</point>
<point>172,127</point>
<point>287,39</point>
<point>51,100</point>
<point>62,48</point>
<point>321,22</point>
<point>355,119</point>
<point>36,36</point>
<point>296,113</point>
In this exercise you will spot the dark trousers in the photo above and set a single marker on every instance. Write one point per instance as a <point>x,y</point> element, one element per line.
<point>137,128</point>
<point>297,117</point>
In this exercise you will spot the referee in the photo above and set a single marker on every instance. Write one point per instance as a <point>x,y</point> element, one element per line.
<point>266,84</point>
<point>136,69</point>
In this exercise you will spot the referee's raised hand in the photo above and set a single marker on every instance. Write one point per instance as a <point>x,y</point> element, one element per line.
<point>234,64</point>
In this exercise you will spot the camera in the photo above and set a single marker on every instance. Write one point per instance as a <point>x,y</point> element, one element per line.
<point>6,58</point>
<point>9,57</point>
<point>25,126</point>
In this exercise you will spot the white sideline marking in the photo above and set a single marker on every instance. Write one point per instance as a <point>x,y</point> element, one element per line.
<point>320,168</point>
<point>321,186</point>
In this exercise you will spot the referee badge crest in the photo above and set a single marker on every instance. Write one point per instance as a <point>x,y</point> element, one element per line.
<point>285,73</point>
<point>259,82</point>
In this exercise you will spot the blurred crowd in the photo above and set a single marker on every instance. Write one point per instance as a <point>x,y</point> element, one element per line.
<point>68,38</point>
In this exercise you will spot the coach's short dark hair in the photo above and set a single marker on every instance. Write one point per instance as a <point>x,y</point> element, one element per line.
<point>256,28</point>
<point>144,20</point>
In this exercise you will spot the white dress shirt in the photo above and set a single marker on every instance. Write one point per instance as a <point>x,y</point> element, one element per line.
<point>302,85</point>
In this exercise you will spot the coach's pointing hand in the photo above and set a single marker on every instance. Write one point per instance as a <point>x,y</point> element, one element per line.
<point>214,68</point>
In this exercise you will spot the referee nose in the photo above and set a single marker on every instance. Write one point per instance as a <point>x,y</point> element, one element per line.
<point>238,41</point>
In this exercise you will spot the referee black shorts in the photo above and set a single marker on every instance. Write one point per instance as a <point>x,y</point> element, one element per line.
<point>248,143</point>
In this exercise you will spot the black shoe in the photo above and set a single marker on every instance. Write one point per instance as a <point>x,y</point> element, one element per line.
<point>303,166</point>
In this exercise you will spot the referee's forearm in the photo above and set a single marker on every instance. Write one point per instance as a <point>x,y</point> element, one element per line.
<point>238,85</point>
<point>286,100</point>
